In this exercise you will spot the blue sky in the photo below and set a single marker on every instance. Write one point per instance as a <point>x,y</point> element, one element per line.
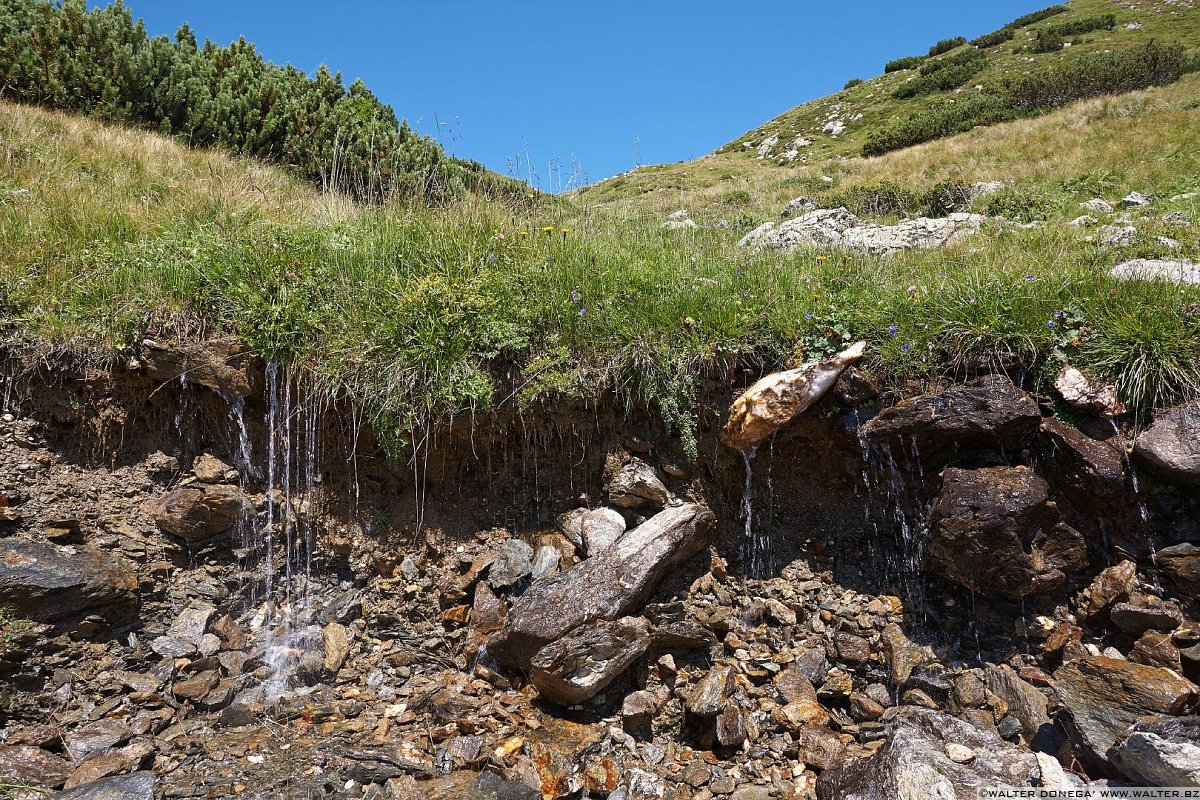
<point>604,84</point>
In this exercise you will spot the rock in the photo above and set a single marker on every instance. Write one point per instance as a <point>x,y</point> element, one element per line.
<point>637,485</point>
<point>1113,585</point>
<point>46,583</point>
<point>210,469</point>
<point>137,786</point>
<point>1171,446</point>
<point>913,762</point>
<point>191,623</point>
<point>1135,200</point>
<point>196,687</point>
<point>997,531</point>
<point>1161,752</point>
<point>637,712</point>
<point>22,764</point>
<point>1137,618</point>
<point>605,586</point>
<point>107,765</point>
<point>513,562</point>
<point>96,738</point>
<point>850,648</point>
<point>1085,221</point>
<point>1084,470</point>
<point>1116,236</point>
<point>546,562</point>
<point>989,413</point>
<point>199,513</point>
<point>1179,271</point>
<point>579,665</point>
<point>1025,703</point>
<point>336,641</point>
<point>796,207</point>
<point>983,189</point>
<point>213,364</point>
<point>487,617</point>
<point>839,228</point>
<point>1181,563</point>
<point>1097,205</point>
<point>1101,697</point>
<point>819,748</point>
<point>959,754</point>
<point>777,399</point>
<point>679,220</point>
<point>903,655</point>
<point>592,531</point>
<point>1155,649</point>
<point>709,700</point>
<point>1083,394</point>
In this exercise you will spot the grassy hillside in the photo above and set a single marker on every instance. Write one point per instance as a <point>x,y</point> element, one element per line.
<point>108,236</point>
<point>837,127</point>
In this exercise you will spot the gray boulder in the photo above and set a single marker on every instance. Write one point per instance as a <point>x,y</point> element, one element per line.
<point>579,665</point>
<point>46,583</point>
<point>1162,752</point>
<point>1179,271</point>
<point>592,530</point>
<point>837,227</point>
<point>1171,446</point>
<point>513,561</point>
<point>914,764</point>
<point>637,485</point>
<point>605,586</point>
<point>1097,205</point>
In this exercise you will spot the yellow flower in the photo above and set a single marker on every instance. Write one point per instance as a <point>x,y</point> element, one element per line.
<point>523,233</point>
<point>565,231</point>
<point>821,258</point>
<point>548,229</point>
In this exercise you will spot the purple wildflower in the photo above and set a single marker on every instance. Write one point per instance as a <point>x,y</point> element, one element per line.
<point>892,331</point>
<point>1050,323</point>
<point>906,347</point>
<point>575,297</point>
<point>808,315</point>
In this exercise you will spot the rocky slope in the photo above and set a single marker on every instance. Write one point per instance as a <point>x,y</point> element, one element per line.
<point>216,586</point>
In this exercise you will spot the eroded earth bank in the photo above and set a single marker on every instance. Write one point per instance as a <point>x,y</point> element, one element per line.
<point>216,584</point>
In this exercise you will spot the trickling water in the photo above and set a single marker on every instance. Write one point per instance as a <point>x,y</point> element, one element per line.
<point>756,548</point>
<point>1143,509</point>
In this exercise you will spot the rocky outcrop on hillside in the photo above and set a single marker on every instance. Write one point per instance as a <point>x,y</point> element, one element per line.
<point>838,228</point>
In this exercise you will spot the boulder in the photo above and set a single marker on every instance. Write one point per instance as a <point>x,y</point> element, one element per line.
<point>199,513</point>
<point>1135,200</point>
<point>1083,469</point>
<point>1101,697</point>
<point>711,716</point>
<point>1084,394</point>
<point>1116,236</point>
<point>637,485</point>
<point>1113,585</point>
<point>608,585</point>
<point>47,583</point>
<point>995,530</point>
<point>1171,446</point>
<point>592,531</point>
<point>1144,615</point>
<point>1025,703</point>
<point>579,665</point>
<point>913,763</point>
<point>22,764</point>
<point>1181,563</point>
<point>512,563</point>
<point>1179,271</point>
<point>989,413</point>
<point>777,399</point>
<point>837,227</point>
<point>335,640</point>
<point>1161,752</point>
<point>1097,205</point>
<point>209,469</point>
<point>137,786</point>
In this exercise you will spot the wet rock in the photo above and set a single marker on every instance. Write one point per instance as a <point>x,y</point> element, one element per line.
<point>209,469</point>
<point>1136,619</point>
<point>199,513</point>
<point>513,562</point>
<point>997,531</point>
<point>1162,752</point>
<point>214,364</point>
<point>336,642</point>
<point>196,687</point>
<point>592,531</point>
<point>1179,271</point>
<point>46,583</point>
<point>989,413</point>
<point>1084,394</point>
<point>138,786</point>
<point>96,738</point>
<point>850,648</point>
<point>1181,563</point>
<point>579,665</point>
<point>1113,585</point>
<point>604,586</point>
<point>913,762</point>
<point>1101,697</point>
<point>1155,649</point>
<point>777,399</point>
<point>1171,446</point>
<point>22,764</point>
<point>636,485</point>
<point>487,617</point>
<point>903,655</point>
